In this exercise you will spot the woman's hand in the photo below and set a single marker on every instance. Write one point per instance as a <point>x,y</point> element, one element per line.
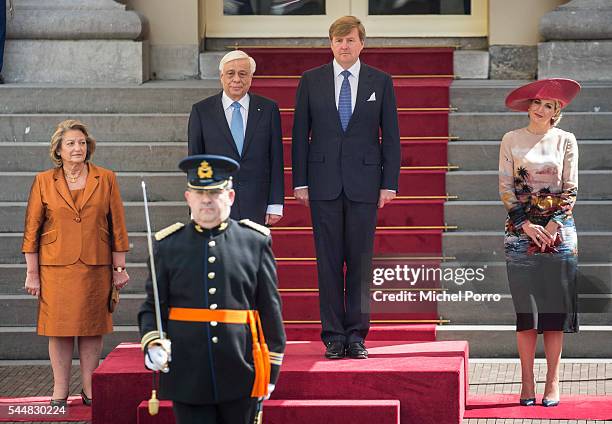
<point>541,236</point>
<point>32,283</point>
<point>120,279</point>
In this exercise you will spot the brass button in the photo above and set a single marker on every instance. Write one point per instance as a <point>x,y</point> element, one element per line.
<point>77,219</point>
<point>213,323</point>
<point>215,339</point>
<point>212,260</point>
<point>213,306</point>
<point>212,290</point>
<point>212,243</point>
<point>211,275</point>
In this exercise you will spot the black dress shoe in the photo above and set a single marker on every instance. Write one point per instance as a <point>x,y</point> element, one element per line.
<point>527,402</point>
<point>356,350</point>
<point>59,402</point>
<point>549,403</point>
<point>335,350</point>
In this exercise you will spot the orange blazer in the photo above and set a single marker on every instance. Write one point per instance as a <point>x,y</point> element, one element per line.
<point>63,233</point>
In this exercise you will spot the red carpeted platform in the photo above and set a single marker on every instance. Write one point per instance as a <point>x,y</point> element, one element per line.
<point>37,409</point>
<point>428,379</point>
<point>303,411</point>
<point>572,407</point>
<point>403,333</point>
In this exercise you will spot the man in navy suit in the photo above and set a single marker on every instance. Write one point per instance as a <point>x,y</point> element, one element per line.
<point>245,127</point>
<point>344,171</point>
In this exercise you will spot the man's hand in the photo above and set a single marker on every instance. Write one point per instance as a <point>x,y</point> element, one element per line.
<point>272,219</point>
<point>385,197</point>
<point>301,194</point>
<point>158,356</point>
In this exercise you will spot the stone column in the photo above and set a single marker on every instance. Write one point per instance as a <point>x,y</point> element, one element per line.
<point>75,41</point>
<point>578,41</point>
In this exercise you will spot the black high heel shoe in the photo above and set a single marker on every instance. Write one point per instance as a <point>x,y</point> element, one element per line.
<point>59,402</point>
<point>549,403</point>
<point>85,399</point>
<point>527,402</point>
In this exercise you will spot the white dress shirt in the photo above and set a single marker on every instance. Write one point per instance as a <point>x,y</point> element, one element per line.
<point>353,81</point>
<point>244,112</point>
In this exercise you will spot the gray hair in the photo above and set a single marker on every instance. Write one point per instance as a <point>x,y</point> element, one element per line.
<point>235,55</point>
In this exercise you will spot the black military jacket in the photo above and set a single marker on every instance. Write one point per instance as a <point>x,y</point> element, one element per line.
<point>229,267</point>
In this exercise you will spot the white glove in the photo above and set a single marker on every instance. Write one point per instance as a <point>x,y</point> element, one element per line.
<point>158,355</point>
<point>270,390</point>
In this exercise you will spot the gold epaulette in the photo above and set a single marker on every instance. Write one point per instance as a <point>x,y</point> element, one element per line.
<point>161,234</point>
<point>255,226</point>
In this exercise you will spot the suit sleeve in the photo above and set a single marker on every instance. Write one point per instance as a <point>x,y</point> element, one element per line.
<point>34,218</point>
<point>277,177</point>
<point>146,315</point>
<point>301,132</point>
<point>269,308</point>
<point>391,151</point>
<point>117,218</point>
<point>195,139</point>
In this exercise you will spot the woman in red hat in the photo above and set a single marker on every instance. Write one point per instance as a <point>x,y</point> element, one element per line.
<point>538,182</point>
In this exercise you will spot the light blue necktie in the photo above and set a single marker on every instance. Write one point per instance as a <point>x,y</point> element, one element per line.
<point>345,109</point>
<point>237,127</point>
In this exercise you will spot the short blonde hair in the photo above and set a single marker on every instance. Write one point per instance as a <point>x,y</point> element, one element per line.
<point>58,136</point>
<point>235,55</point>
<point>344,25</point>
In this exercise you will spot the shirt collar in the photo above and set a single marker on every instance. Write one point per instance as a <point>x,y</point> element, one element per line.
<point>354,70</point>
<point>227,102</point>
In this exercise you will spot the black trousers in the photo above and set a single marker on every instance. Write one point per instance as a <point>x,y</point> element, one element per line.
<point>240,411</point>
<point>344,236</point>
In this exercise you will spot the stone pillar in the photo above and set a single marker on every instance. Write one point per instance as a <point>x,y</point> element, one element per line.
<point>579,41</point>
<point>75,42</point>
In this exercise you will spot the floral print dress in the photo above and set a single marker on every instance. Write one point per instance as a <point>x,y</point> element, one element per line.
<point>538,181</point>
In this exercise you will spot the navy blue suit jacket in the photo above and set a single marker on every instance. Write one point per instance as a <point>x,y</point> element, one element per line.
<point>260,181</point>
<point>356,160</point>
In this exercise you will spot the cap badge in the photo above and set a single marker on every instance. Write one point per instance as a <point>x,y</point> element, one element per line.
<point>205,170</point>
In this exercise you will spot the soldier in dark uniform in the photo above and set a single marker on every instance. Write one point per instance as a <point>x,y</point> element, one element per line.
<point>219,305</point>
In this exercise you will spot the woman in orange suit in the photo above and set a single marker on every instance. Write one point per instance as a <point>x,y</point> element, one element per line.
<point>74,243</point>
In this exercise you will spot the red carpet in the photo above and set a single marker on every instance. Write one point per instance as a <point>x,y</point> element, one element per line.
<point>403,333</point>
<point>409,92</point>
<point>395,61</point>
<point>28,409</point>
<point>411,183</point>
<point>576,407</point>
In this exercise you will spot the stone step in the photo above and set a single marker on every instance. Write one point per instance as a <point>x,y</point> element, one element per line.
<point>23,343</point>
<point>484,155</point>
<point>488,246</point>
<point>493,125</point>
<point>150,97</point>
<point>594,278</point>
<point>485,215</point>
<point>483,185</point>
<point>485,341</point>
<point>499,341</point>
<point>490,95</point>
<point>126,157</point>
<point>490,215</point>
<point>120,127</point>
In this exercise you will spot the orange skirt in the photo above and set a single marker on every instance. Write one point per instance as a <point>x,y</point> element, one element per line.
<point>74,300</point>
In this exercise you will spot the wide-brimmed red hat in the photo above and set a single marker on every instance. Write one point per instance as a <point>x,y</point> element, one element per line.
<point>561,89</point>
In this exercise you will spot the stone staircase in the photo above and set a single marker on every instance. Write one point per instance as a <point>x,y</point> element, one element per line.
<point>141,133</point>
<point>480,122</point>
